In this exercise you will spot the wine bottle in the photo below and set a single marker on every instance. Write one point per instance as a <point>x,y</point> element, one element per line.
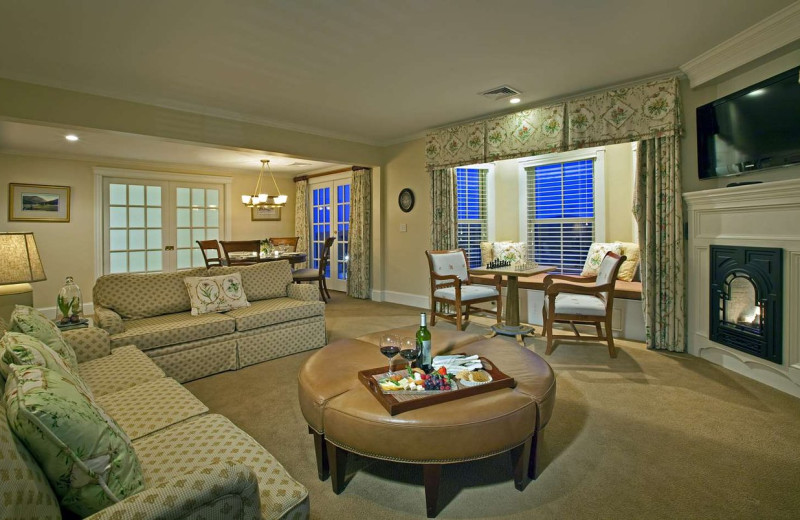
<point>424,344</point>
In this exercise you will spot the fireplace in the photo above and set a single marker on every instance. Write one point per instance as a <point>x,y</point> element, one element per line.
<point>745,301</point>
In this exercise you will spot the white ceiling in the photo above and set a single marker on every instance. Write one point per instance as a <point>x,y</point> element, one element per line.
<point>366,70</point>
<point>48,140</point>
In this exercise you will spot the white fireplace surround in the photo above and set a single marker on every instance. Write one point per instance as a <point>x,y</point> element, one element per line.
<point>762,215</point>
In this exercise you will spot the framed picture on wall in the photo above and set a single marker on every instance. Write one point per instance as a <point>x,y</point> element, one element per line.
<point>38,203</point>
<point>257,213</point>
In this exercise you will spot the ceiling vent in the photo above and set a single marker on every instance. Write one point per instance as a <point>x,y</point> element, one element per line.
<point>498,93</point>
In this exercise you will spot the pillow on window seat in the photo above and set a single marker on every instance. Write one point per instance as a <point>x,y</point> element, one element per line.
<point>627,270</point>
<point>514,252</point>
<point>596,254</point>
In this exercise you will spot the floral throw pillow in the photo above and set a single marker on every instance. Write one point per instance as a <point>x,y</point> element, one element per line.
<point>35,324</point>
<point>87,458</point>
<point>596,254</point>
<point>513,252</point>
<point>216,293</point>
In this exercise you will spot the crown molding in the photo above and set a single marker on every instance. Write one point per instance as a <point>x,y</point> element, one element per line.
<point>768,35</point>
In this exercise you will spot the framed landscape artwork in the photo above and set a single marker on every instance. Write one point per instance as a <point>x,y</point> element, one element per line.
<point>257,213</point>
<point>38,203</point>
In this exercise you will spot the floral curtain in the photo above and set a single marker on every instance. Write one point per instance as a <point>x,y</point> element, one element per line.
<point>529,132</point>
<point>443,202</point>
<point>622,115</point>
<point>301,217</point>
<point>456,146</point>
<point>358,270</point>
<point>659,214</point>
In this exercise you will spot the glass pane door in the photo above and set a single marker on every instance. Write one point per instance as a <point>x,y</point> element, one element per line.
<point>330,216</point>
<point>197,217</point>
<point>135,226</point>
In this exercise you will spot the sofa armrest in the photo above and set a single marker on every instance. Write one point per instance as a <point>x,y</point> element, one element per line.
<point>303,291</point>
<point>222,490</point>
<point>89,343</point>
<point>108,320</point>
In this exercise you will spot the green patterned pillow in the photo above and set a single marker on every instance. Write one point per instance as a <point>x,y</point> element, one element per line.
<point>597,252</point>
<point>215,293</point>
<point>86,456</point>
<point>33,323</point>
<point>20,349</point>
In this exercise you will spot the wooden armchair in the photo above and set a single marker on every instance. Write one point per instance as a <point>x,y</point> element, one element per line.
<point>570,299</point>
<point>241,252</point>
<point>452,284</point>
<point>285,241</point>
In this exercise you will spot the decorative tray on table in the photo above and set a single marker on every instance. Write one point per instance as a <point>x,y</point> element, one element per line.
<point>401,401</point>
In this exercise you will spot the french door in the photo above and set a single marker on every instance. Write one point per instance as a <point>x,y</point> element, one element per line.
<point>330,216</point>
<point>151,226</point>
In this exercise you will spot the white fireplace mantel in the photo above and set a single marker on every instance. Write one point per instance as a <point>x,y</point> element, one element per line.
<point>762,215</point>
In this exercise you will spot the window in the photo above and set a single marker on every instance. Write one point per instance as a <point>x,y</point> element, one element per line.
<point>562,218</point>
<point>473,221</point>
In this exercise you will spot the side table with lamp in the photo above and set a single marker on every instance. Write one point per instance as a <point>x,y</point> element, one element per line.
<point>21,265</point>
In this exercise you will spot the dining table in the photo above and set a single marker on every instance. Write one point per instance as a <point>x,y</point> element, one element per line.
<point>247,258</point>
<point>511,326</point>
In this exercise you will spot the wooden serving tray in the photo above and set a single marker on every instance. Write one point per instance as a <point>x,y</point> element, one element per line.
<point>406,402</point>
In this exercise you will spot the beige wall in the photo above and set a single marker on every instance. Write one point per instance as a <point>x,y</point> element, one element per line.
<point>693,98</point>
<point>405,265</point>
<point>67,249</point>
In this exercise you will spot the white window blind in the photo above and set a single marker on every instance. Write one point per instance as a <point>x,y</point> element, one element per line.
<point>473,222</point>
<point>561,214</point>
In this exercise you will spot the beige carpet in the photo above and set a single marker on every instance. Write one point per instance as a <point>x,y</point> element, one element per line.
<point>646,435</point>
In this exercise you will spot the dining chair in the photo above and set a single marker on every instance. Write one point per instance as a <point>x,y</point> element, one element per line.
<point>285,241</point>
<point>317,275</point>
<point>211,254</point>
<point>570,299</point>
<point>452,284</point>
<point>253,247</point>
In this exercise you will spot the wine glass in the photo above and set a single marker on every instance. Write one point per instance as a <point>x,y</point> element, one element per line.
<point>408,350</point>
<point>390,346</point>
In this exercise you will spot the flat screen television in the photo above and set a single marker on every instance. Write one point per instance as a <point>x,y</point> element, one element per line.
<point>753,129</point>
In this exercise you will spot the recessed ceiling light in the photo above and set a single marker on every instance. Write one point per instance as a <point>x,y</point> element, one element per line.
<point>514,100</point>
<point>71,137</point>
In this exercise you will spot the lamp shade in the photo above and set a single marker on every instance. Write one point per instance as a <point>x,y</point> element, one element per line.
<point>20,259</point>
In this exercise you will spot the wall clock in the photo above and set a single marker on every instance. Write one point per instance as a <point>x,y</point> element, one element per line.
<point>406,199</point>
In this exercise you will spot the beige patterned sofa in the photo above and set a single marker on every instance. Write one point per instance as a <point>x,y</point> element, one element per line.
<point>152,311</point>
<point>194,464</point>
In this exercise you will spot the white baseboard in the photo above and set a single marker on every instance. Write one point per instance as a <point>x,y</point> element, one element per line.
<point>412,300</point>
<point>50,312</point>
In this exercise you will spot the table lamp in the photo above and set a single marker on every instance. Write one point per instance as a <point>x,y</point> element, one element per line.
<point>20,265</point>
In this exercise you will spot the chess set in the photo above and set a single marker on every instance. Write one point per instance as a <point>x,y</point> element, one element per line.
<point>497,264</point>
<point>522,266</point>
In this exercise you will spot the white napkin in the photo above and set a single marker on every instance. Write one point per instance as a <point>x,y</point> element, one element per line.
<point>455,364</point>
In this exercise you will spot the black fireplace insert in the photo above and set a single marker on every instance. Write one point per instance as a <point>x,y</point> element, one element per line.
<point>746,301</point>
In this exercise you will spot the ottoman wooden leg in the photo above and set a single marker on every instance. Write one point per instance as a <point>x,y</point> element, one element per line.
<point>432,474</point>
<point>321,453</point>
<point>533,464</point>
<point>520,459</point>
<point>338,463</point>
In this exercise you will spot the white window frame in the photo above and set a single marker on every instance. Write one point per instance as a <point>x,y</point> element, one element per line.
<point>102,173</point>
<point>598,154</point>
<point>490,196</point>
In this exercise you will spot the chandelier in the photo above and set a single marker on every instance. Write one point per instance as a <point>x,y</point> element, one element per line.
<point>262,200</point>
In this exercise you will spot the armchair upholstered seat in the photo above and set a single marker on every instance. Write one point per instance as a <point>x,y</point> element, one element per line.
<point>582,300</point>
<point>451,284</point>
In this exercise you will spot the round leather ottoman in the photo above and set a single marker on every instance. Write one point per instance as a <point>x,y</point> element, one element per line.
<point>345,418</point>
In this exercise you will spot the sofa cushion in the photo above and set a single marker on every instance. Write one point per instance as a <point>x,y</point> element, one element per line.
<point>171,329</point>
<point>124,368</point>
<point>142,295</point>
<point>215,293</point>
<point>276,310</point>
<point>87,458</point>
<point>26,492</point>
<point>151,406</point>
<point>199,442</point>
<point>261,281</point>
<point>33,323</point>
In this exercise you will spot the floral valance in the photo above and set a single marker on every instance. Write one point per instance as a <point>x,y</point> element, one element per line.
<point>634,113</point>
<point>530,132</point>
<point>456,146</point>
<point>623,115</point>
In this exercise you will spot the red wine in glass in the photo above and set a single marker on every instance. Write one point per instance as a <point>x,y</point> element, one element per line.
<point>410,354</point>
<point>390,351</point>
